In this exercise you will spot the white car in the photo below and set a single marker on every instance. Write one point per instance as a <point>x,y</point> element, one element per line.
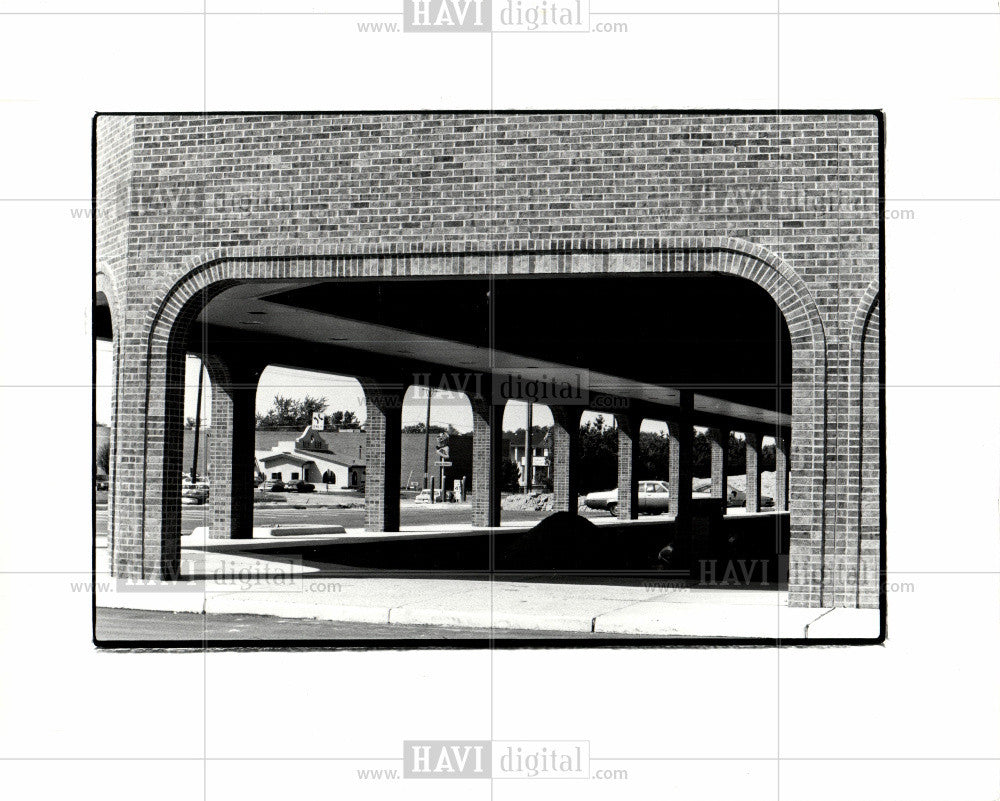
<point>654,498</point>
<point>424,496</point>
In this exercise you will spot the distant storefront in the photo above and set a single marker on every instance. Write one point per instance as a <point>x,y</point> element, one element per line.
<point>310,458</point>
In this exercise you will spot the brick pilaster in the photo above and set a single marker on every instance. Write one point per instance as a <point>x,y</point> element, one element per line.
<point>681,435</point>
<point>230,454</point>
<point>719,443</point>
<point>565,457</point>
<point>753,472</point>
<point>628,461</point>
<point>487,460</point>
<point>383,444</point>
<point>781,472</point>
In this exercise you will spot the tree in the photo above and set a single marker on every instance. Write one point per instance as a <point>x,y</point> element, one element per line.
<point>103,460</point>
<point>598,463</point>
<point>654,456</point>
<point>342,419</point>
<point>287,412</point>
<point>307,407</point>
<point>282,414</point>
<point>420,428</point>
<point>509,476</point>
<point>736,456</point>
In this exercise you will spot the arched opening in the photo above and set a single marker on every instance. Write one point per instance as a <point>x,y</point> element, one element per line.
<point>436,465</point>
<point>638,338</point>
<point>104,410</point>
<point>309,449</point>
<point>527,474</point>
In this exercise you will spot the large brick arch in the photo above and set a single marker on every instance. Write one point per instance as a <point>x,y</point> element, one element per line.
<point>179,299</point>
<point>864,477</point>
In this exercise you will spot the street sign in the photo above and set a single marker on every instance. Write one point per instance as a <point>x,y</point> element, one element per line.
<point>319,421</point>
<point>442,464</point>
<point>444,452</point>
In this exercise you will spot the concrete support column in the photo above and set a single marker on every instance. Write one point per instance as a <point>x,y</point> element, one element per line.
<point>781,472</point>
<point>487,460</point>
<point>628,461</point>
<point>681,436</point>
<point>719,443</point>
<point>230,447</point>
<point>753,472</point>
<point>565,457</point>
<point>383,448</point>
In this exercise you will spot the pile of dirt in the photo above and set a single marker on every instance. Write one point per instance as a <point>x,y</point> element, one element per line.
<point>738,483</point>
<point>766,483</point>
<point>532,502</point>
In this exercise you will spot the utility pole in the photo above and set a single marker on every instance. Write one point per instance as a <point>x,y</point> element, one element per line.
<point>529,459</point>
<point>427,441</point>
<point>197,423</point>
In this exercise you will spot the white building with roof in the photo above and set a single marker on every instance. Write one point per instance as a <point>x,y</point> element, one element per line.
<point>309,458</point>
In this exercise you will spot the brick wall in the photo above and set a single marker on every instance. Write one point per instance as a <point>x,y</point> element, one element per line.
<point>371,191</point>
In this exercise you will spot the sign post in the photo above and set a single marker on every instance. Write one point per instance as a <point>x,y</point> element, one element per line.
<point>443,452</point>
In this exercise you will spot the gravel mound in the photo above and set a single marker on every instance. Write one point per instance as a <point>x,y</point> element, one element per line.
<point>533,502</point>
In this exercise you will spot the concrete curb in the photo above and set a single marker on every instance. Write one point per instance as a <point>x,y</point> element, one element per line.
<point>511,605</point>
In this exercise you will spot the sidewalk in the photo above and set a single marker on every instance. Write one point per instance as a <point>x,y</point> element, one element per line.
<point>247,579</point>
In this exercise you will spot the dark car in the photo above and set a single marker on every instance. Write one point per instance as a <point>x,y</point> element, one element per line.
<point>101,483</point>
<point>277,485</point>
<point>300,486</point>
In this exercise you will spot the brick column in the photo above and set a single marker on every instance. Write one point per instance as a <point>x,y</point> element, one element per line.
<point>628,461</point>
<point>487,460</point>
<point>753,472</point>
<point>383,446</point>
<point>230,450</point>
<point>681,436</point>
<point>781,472</point>
<point>565,457</point>
<point>719,442</point>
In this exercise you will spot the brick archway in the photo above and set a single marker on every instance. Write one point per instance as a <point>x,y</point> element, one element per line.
<point>864,392</point>
<point>181,298</point>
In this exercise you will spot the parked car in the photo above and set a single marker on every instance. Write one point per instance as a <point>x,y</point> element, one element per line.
<point>299,486</point>
<point>739,498</point>
<point>194,493</point>
<point>424,496</point>
<point>274,485</point>
<point>654,498</point>
<point>101,483</point>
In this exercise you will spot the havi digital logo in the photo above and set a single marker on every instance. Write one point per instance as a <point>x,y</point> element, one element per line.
<point>446,759</point>
<point>447,15</point>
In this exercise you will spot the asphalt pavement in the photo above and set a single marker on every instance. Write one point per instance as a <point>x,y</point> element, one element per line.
<point>411,514</point>
<point>115,626</point>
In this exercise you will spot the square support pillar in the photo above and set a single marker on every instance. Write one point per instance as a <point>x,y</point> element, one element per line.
<point>781,472</point>
<point>565,457</point>
<point>719,443</point>
<point>628,461</point>
<point>230,447</point>
<point>681,435</point>
<point>487,460</point>
<point>383,455</point>
<point>753,472</point>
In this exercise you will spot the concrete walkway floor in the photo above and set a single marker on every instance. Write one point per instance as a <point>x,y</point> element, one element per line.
<point>221,580</point>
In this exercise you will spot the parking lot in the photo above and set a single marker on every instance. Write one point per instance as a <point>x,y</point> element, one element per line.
<point>320,510</point>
